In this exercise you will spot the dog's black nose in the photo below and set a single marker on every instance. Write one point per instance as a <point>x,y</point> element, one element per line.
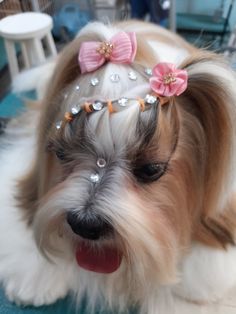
<point>88,226</point>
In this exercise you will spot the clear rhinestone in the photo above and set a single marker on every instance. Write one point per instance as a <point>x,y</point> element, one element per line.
<point>94,177</point>
<point>148,71</point>
<point>101,163</point>
<point>58,125</point>
<point>74,110</point>
<point>132,76</point>
<point>97,105</point>
<point>115,78</point>
<point>150,99</point>
<point>123,101</point>
<point>77,87</point>
<point>94,81</point>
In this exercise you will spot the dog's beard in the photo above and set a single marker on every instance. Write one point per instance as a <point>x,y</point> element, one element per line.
<point>140,242</point>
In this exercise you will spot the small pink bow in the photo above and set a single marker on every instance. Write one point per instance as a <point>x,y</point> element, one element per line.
<point>120,49</point>
<point>167,80</point>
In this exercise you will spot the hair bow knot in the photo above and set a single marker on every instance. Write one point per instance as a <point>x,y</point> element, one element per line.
<point>120,49</point>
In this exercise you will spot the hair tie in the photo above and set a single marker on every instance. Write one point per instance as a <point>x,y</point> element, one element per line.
<point>110,106</point>
<point>121,48</point>
<point>87,107</point>
<point>141,104</point>
<point>168,81</point>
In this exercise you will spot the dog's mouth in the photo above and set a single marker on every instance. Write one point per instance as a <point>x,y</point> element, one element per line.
<point>104,260</point>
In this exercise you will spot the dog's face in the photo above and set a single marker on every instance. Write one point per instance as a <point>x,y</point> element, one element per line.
<point>109,186</point>
<point>116,183</point>
<point>125,190</point>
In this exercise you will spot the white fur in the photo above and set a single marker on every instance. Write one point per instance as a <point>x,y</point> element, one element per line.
<point>208,274</point>
<point>29,278</point>
<point>26,276</point>
<point>34,79</point>
<point>167,53</point>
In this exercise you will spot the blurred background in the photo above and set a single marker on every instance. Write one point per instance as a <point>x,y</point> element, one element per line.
<point>208,24</point>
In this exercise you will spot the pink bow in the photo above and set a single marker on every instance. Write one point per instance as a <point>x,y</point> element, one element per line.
<point>167,80</point>
<point>120,49</point>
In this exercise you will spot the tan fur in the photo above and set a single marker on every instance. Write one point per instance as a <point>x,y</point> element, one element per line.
<point>194,130</point>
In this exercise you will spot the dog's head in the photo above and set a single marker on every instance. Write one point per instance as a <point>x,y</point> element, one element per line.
<point>126,183</point>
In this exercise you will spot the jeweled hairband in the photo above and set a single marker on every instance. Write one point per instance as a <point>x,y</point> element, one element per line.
<point>166,82</point>
<point>112,106</point>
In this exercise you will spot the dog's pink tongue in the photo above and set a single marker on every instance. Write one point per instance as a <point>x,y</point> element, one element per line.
<point>107,260</point>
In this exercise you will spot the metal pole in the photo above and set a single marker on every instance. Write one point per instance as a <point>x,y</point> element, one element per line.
<point>172,16</point>
<point>35,5</point>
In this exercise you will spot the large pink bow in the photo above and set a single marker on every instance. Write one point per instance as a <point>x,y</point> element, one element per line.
<point>120,49</point>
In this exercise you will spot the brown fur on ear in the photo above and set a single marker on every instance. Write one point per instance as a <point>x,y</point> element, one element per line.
<point>219,229</point>
<point>210,99</point>
<point>28,194</point>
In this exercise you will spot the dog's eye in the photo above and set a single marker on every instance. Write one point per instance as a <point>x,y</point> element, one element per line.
<point>60,154</point>
<point>150,172</point>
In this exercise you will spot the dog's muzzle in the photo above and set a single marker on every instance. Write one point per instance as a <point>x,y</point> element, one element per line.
<point>89,226</point>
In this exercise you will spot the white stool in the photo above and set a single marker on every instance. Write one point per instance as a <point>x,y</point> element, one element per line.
<point>28,29</point>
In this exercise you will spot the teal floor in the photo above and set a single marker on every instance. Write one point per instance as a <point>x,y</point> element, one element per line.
<point>65,306</point>
<point>61,307</point>
<point>11,105</point>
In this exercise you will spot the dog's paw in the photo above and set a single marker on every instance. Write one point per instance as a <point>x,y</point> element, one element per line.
<point>37,289</point>
<point>38,283</point>
<point>24,293</point>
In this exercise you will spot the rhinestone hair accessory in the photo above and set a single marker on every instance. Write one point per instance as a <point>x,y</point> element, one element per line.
<point>101,162</point>
<point>111,105</point>
<point>95,177</point>
<point>168,81</point>
<point>121,48</point>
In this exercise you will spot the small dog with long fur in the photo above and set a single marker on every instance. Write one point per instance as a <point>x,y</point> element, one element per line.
<point>123,191</point>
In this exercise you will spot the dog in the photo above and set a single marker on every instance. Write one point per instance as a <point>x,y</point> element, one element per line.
<point>121,188</point>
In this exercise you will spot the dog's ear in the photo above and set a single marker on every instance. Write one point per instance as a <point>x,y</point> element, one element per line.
<point>66,70</point>
<point>211,99</point>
